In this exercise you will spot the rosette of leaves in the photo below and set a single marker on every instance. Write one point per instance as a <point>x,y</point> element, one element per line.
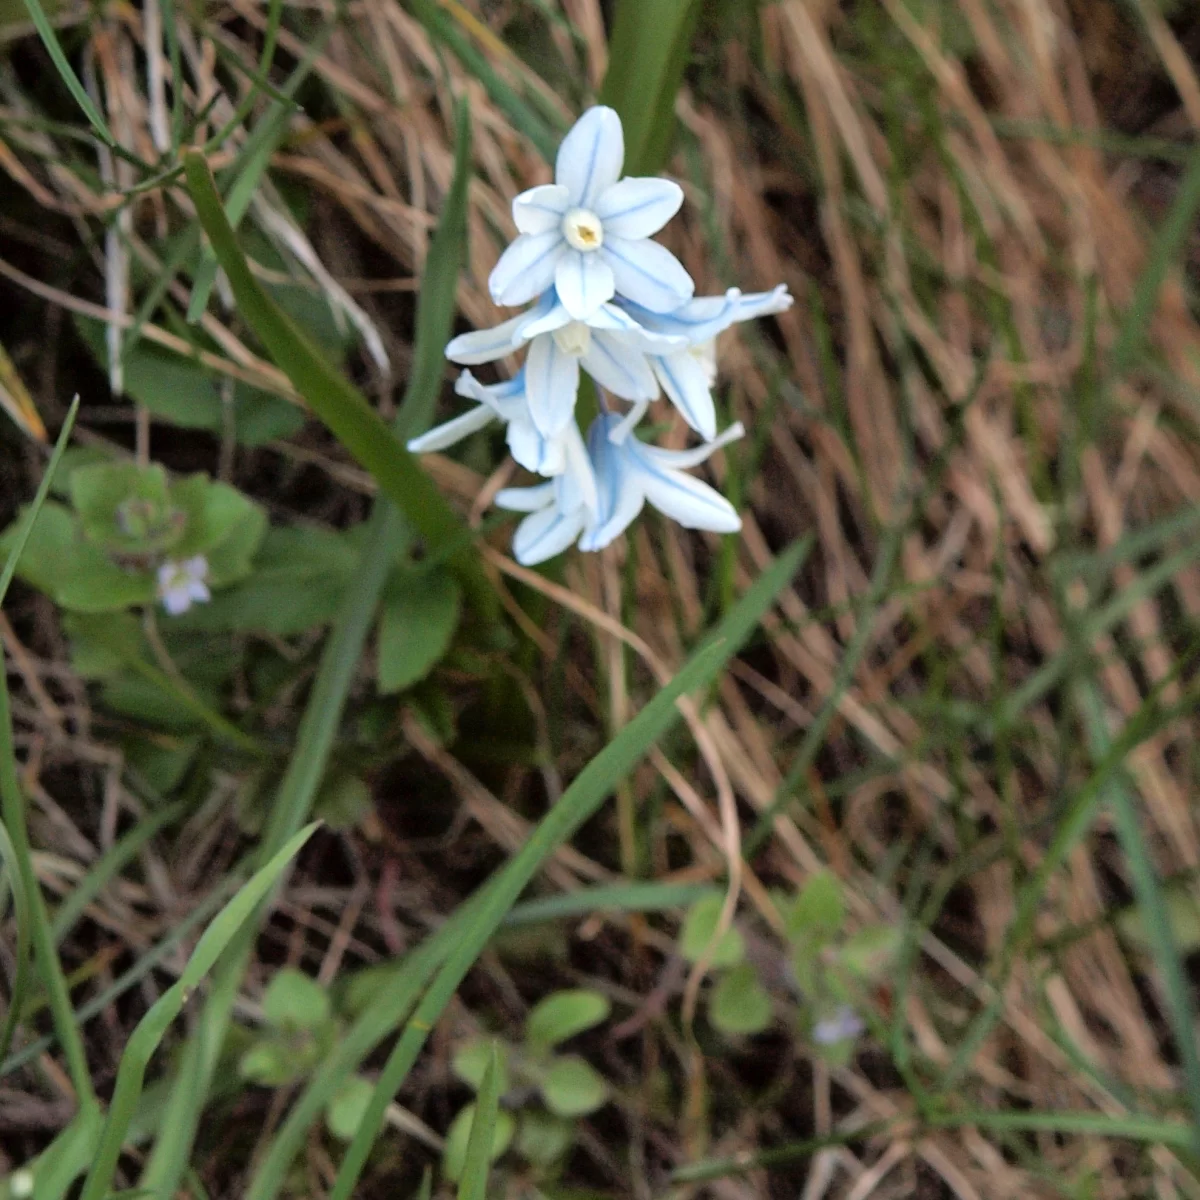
<point>299,1030</point>
<point>543,1092</point>
<point>738,1004</point>
<point>835,970</point>
<point>100,553</point>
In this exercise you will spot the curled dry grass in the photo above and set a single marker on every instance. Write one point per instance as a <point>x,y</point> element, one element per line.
<point>962,411</point>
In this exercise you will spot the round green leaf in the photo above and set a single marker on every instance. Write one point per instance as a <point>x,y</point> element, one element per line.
<point>419,617</point>
<point>455,1154</point>
<point>700,925</point>
<point>572,1088</point>
<point>294,1001</point>
<point>544,1139</point>
<point>869,954</point>
<point>563,1015</point>
<point>739,1004</point>
<point>345,1111</point>
<point>471,1061</point>
<point>270,1063</point>
<point>819,911</point>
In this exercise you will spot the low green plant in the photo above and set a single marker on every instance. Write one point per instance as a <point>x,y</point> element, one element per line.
<point>542,1092</point>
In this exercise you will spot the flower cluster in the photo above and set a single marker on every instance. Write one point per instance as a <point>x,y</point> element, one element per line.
<point>621,307</point>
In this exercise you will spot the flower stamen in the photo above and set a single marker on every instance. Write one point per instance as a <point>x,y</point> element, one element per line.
<point>583,230</point>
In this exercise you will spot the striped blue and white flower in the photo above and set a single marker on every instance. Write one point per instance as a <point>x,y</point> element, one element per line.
<point>686,364</point>
<point>610,302</point>
<point>588,232</point>
<point>627,473</point>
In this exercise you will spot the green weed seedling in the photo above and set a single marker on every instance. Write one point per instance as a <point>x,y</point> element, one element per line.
<point>833,968</point>
<point>543,1093</point>
<point>738,1004</point>
<point>299,1031</point>
<point>126,532</point>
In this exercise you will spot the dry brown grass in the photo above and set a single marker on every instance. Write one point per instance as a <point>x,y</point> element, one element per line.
<point>960,275</point>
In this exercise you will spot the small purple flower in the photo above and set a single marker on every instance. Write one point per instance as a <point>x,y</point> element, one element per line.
<point>843,1026</point>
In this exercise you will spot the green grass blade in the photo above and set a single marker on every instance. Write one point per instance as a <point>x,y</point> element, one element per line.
<point>66,72</point>
<point>152,1028</point>
<point>648,52</point>
<point>342,407</point>
<point>1164,254</point>
<point>67,1157</point>
<point>473,1185</point>
<point>437,302</point>
<point>127,979</point>
<point>314,740</point>
<point>12,867</point>
<point>577,804</point>
<point>18,547</point>
<point>12,808</point>
<point>1151,903</point>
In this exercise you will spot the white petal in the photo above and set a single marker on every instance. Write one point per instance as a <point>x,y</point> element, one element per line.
<point>506,398</point>
<point>545,534</point>
<point>619,494</point>
<point>487,345</point>
<point>526,268</point>
<point>555,317</point>
<point>584,282</point>
<point>176,601</point>
<point>674,460</point>
<point>636,208</point>
<point>198,592</point>
<point>622,369</point>
<point>541,209</point>
<point>551,385</point>
<point>648,274</point>
<point>542,456</point>
<point>591,156</point>
<point>440,437</point>
<point>525,499</point>
<point>196,567</point>
<point>577,484</point>
<point>701,319</point>
<point>685,381</point>
<point>692,503</point>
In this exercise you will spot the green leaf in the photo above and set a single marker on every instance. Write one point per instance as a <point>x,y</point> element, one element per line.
<point>454,1157</point>
<point>58,561</point>
<point>272,1062</point>
<point>344,802</point>
<point>819,910</point>
<point>470,1062</point>
<point>438,302</point>
<point>563,1015</point>
<point>127,508</point>
<point>346,1109</point>
<point>739,1003</point>
<point>480,1143</point>
<point>699,929</point>
<point>871,952</point>
<point>293,1000</point>
<point>103,644</point>
<point>648,51</point>
<point>573,1088</point>
<point>218,514</point>
<point>544,1139</point>
<point>153,1026</point>
<point>343,409</point>
<point>418,619</point>
<point>299,579</point>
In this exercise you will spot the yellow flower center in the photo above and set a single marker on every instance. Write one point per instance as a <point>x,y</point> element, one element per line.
<point>583,230</point>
